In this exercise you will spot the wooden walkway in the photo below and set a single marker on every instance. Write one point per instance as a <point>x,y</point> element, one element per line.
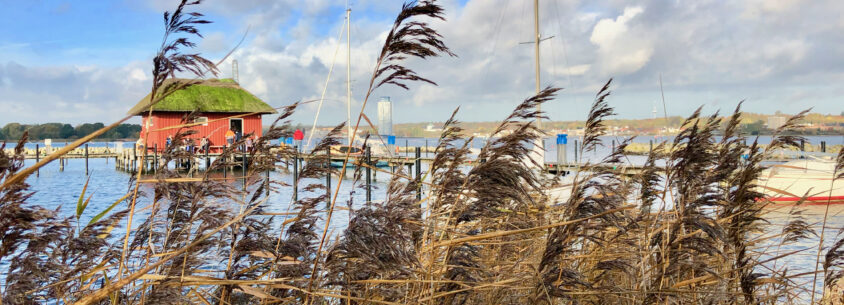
<point>128,160</point>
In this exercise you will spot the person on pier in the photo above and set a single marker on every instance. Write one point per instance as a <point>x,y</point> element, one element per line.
<point>203,144</point>
<point>229,137</point>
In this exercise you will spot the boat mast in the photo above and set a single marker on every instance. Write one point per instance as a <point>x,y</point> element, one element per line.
<point>540,151</point>
<point>349,73</point>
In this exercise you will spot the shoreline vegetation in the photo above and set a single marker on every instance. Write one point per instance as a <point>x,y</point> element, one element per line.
<point>822,125</point>
<point>693,231</point>
<point>11,132</point>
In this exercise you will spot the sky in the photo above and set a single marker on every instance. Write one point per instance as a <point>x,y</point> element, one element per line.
<point>90,61</point>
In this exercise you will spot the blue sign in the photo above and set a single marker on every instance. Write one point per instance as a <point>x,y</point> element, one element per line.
<point>288,140</point>
<point>562,139</point>
<point>391,140</point>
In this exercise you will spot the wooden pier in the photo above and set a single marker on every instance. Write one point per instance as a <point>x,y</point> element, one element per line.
<point>128,160</point>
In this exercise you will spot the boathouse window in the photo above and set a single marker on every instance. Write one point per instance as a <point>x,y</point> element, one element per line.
<point>202,119</point>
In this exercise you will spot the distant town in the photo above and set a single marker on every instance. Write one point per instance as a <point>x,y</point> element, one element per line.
<point>752,124</point>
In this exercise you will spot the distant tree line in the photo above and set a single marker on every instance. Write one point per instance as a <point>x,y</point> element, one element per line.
<point>14,131</point>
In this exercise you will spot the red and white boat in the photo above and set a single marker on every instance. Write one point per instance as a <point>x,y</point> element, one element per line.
<point>788,183</point>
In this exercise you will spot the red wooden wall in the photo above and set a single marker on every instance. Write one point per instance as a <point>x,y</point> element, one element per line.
<point>215,130</point>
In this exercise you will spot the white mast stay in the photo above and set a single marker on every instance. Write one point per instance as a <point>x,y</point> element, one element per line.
<point>349,73</point>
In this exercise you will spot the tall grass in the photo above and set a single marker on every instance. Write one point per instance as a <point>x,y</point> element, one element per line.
<point>687,232</point>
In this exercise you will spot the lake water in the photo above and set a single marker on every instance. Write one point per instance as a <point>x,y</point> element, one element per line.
<point>60,189</point>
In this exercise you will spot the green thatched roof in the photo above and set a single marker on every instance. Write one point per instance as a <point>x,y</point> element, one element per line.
<point>212,95</point>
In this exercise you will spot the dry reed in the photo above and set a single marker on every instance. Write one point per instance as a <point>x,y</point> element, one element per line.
<point>689,232</point>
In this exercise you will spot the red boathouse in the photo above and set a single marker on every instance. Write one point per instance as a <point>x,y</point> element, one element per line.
<point>221,104</point>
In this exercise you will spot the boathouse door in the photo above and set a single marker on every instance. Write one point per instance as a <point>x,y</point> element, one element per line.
<point>236,125</point>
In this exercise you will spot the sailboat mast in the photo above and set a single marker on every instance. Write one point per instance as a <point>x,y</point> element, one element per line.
<point>349,74</point>
<point>536,57</point>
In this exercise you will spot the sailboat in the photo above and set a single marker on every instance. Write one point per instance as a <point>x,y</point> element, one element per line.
<point>555,193</point>
<point>353,149</point>
<point>789,183</point>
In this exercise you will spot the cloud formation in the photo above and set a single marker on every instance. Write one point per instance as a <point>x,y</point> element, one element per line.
<point>778,55</point>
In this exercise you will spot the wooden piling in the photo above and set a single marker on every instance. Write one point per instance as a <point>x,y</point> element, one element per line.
<point>86,158</point>
<point>575,152</point>
<point>133,162</point>
<point>296,174</point>
<point>418,173</point>
<point>37,158</point>
<point>243,168</point>
<point>155,161</point>
<point>368,160</point>
<point>328,177</point>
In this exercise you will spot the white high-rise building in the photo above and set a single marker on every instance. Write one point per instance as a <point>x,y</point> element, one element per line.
<point>385,116</point>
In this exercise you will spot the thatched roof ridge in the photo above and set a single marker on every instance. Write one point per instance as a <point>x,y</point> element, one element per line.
<point>210,96</point>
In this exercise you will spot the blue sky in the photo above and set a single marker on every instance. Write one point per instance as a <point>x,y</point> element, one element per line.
<point>86,61</point>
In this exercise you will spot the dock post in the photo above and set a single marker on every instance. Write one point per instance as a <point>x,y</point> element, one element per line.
<point>613,144</point>
<point>802,145</point>
<point>296,174</point>
<point>823,146</point>
<point>328,177</point>
<point>37,158</point>
<point>156,161</point>
<point>406,148</point>
<point>418,173</point>
<point>134,159</point>
<point>575,152</point>
<point>562,154</point>
<point>651,145</point>
<point>267,185</point>
<point>61,164</point>
<point>243,168</point>
<point>368,159</point>
<point>224,165</point>
<point>207,160</point>
<point>426,147</point>
<point>86,158</point>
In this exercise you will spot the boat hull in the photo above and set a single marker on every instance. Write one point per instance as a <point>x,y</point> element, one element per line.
<point>804,182</point>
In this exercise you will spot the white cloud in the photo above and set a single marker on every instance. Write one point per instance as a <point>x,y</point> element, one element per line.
<point>706,50</point>
<point>621,50</point>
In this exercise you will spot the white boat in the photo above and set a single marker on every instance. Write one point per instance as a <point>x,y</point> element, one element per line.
<point>788,183</point>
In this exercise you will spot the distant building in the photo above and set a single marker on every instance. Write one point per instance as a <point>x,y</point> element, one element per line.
<point>775,122</point>
<point>385,116</point>
<point>431,127</point>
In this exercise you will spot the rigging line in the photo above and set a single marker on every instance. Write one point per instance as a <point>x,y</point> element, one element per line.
<point>325,88</point>
<point>497,29</point>
<point>496,35</point>
<point>522,25</point>
<point>563,40</point>
<point>553,60</point>
<point>662,92</point>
